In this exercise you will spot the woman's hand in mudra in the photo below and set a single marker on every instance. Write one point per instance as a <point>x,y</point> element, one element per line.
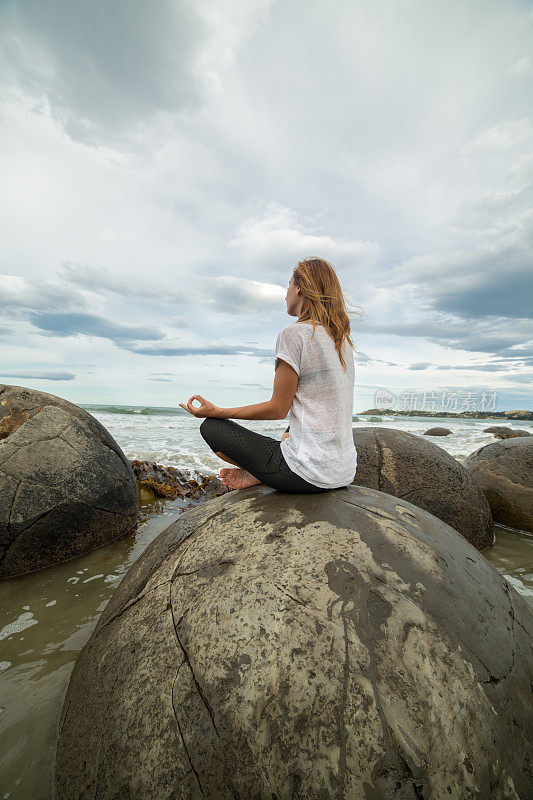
<point>205,409</point>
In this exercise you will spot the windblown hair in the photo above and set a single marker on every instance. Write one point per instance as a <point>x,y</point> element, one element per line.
<point>324,301</point>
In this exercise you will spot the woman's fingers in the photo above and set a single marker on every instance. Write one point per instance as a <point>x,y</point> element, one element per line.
<point>204,408</point>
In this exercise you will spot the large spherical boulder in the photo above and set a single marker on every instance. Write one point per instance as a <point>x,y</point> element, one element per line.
<point>504,472</point>
<point>66,487</point>
<point>337,645</point>
<point>416,469</point>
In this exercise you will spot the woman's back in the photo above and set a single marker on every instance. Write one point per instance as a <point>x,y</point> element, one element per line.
<point>320,446</point>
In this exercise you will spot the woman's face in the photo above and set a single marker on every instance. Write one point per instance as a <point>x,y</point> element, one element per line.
<point>293,298</point>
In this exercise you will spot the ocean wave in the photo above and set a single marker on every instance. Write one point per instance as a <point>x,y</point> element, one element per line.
<point>167,411</point>
<point>150,411</point>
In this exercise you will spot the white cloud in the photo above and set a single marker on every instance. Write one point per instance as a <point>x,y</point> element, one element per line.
<point>278,234</point>
<point>165,166</point>
<point>501,137</point>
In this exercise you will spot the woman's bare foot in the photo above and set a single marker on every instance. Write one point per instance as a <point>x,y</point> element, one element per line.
<point>237,478</point>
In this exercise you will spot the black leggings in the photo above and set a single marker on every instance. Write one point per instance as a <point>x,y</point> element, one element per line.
<point>259,455</point>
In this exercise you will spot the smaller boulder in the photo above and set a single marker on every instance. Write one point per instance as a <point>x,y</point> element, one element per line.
<point>504,473</point>
<point>437,432</point>
<point>500,431</point>
<point>416,469</point>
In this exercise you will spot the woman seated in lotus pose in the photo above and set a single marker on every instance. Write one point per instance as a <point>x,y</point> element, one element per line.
<point>313,381</point>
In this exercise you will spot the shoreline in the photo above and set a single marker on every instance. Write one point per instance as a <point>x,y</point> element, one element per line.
<point>508,416</point>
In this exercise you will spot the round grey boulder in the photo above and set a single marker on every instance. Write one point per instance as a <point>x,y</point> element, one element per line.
<point>418,470</point>
<point>437,432</point>
<point>303,647</point>
<point>504,473</point>
<point>501,432</point>
<point>498,430</point>
<point>66,487</point>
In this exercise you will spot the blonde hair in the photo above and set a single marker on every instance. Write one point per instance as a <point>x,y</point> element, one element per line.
<point>324,301</point>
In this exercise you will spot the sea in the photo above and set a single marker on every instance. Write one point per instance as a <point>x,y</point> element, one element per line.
<point>46,617</point>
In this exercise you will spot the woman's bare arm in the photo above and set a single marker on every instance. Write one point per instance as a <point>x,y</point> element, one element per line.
<point>285,385</point>
<point>266,410</point>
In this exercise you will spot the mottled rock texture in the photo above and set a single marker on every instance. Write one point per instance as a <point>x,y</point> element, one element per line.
<point>416,469</point>
<point>272,646</point>
<point>66,487</point>
<point>504,472</point>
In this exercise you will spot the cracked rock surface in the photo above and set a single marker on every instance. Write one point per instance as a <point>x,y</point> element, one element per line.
<point>267,646</point>
<point>66,487</point>
<point>416,469</point>
<point>504,472</point>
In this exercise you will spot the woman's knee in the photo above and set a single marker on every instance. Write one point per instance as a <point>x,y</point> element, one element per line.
<point>209,429</point>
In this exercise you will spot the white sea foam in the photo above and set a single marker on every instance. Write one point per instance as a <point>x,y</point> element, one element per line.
<point>24,621</point>
<point>175,440</point>
<point>93,578</point>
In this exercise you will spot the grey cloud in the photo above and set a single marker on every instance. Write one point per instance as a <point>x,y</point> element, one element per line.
<point>364,358</point>
<point>24,293</point>
<point>100,280</point>
<point>232,295</point>
<point>104,68</point>
<point>522,377</point>
<point>38,375</point>
<point>95,279</point>
<point>503,288</point>
<point>489,273</point>
<point>500,339</point>
<point>200,350</point>
<point>501,366</point>
<point>227,294</point>
<point>57,324</point>
<point>472,367</point>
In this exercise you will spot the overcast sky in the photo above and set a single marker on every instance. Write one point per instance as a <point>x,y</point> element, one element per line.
<point>165,164</point>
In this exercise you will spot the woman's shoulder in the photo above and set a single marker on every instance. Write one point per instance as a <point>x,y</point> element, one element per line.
<point>300,329</point>
<point>293,328</point>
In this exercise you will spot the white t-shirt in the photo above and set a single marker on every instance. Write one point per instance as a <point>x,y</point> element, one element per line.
<point>320,447</point>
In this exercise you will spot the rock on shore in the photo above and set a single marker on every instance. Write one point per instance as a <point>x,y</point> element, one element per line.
<point>503,471</point>
<point>418,470</point>
<point>294,647</point>
<point>437,432</point>
<point>66,487</point>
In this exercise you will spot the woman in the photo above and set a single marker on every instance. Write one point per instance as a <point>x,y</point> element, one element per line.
<point>313,382</point>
